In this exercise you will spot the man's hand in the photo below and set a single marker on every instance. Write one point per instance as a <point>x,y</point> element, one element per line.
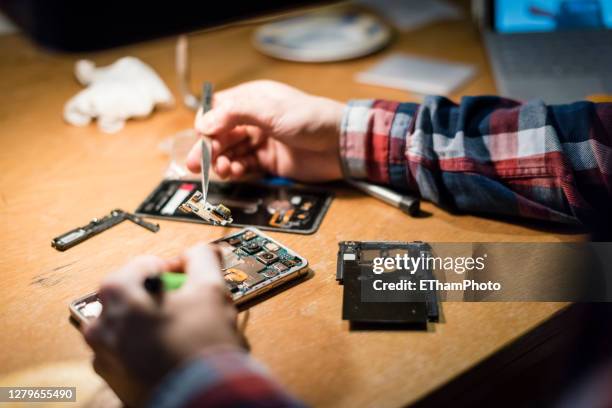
<point>139,337</point>
<point>271,127</point>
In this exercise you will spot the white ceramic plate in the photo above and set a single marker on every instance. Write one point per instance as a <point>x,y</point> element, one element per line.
<point>323,36</point>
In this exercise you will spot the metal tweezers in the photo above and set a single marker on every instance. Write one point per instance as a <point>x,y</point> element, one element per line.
<point>207,90</point>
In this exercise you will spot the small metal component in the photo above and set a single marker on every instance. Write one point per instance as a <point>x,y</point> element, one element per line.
<point>271,246</point>
<point>290,262</point>
<point>234,241</point>
<point>139,221</point>
<point>215,214</point>
<point>252,247</point>
<point>267,257</point>
<point>280,267</point>
<point>223,211</point>
<point>270,273</point>
<point>235,275</point>
<point>96,226</point>
<point>248,235</point>
<point>232,286</point>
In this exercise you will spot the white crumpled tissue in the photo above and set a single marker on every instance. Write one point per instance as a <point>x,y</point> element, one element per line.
<point>126,89</point>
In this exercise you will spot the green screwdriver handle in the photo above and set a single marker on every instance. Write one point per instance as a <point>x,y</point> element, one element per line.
<point>165,281</point>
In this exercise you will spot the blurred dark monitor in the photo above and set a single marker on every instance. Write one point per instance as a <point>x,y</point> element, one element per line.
<point>73,25</point>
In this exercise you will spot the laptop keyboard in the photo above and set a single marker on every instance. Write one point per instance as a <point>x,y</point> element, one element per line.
<point>561,54</point>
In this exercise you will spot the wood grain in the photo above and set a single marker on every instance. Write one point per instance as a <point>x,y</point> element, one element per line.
<point>55,177</point>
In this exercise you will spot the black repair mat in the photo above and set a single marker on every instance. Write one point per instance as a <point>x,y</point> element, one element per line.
<point>268,207</point>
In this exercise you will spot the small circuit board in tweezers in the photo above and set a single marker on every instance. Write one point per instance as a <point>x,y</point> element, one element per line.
<point>198,203</point>
<point>215,214</point>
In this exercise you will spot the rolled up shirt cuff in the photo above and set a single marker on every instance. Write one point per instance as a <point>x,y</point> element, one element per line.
<point>354,130</point>
<point>373,141</point>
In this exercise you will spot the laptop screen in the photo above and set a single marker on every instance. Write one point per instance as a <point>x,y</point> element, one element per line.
<point>525,16</point>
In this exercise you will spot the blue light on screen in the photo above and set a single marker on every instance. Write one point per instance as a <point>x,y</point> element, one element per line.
<point>519,16</point>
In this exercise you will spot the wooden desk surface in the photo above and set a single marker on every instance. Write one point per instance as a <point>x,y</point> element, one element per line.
<point>55,177</point>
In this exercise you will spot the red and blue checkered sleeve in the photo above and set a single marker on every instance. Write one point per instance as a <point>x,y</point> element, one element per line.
<point>487,154</point>
<point>221,378</point>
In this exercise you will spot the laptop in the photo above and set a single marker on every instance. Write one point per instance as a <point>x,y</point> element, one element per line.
<point>556,50</point>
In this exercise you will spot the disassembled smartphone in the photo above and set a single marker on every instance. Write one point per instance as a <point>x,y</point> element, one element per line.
<point>97,225</point>
<point>252,264</point>
<point>268,207</point>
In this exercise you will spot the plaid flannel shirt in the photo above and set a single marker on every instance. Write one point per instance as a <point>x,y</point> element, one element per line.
<point>488,154</point>
<point>220,378</point>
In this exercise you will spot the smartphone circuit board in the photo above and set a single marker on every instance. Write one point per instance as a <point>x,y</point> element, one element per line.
<point>252,261</point>
<point>215,214</point>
